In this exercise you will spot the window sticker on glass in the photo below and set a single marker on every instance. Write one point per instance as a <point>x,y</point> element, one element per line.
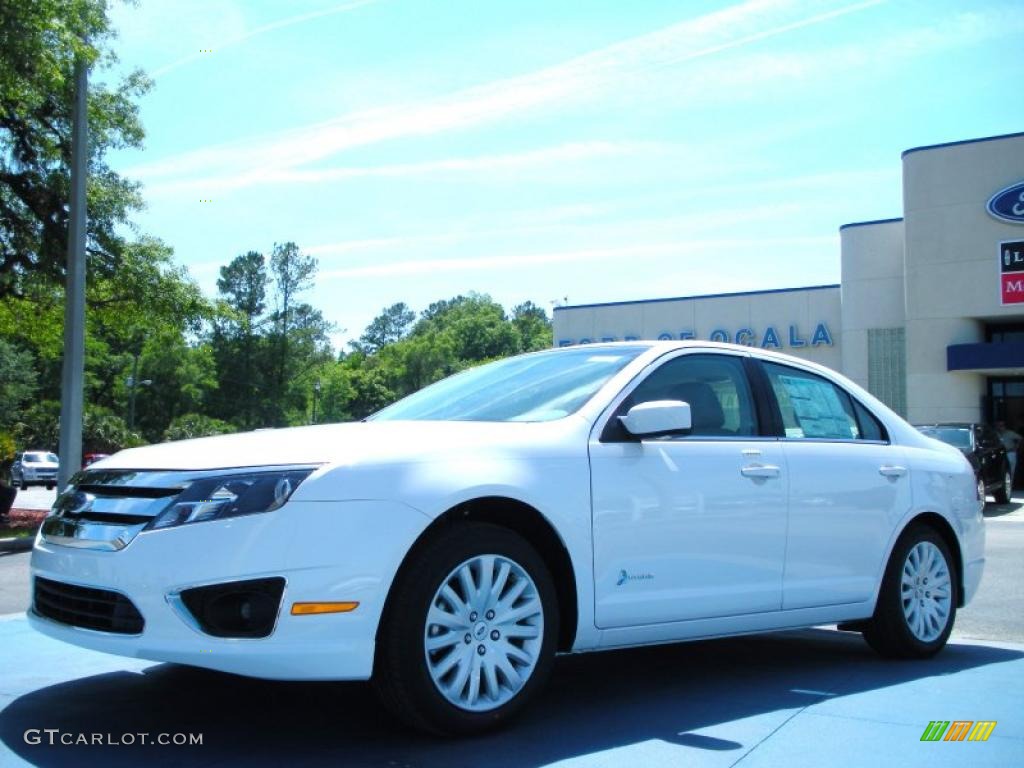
<point>817,409</point>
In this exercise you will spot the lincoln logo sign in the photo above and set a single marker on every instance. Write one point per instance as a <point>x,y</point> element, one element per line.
<point>1008,204</point>
<point>1011,272</point>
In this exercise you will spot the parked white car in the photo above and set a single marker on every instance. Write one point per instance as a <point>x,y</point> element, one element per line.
<point>35,468</point>
<point>570,500</point>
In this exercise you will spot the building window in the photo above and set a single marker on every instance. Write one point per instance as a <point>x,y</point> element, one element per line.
<point>887,367</point>
<point>1005,333</point>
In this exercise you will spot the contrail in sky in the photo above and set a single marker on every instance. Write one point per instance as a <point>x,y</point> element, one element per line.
<point>289,22</point>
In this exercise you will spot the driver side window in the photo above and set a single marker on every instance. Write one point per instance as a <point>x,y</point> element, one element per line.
<point>716,388</point>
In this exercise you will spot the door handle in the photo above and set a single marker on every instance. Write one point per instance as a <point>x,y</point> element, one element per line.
<point>760,470</point>
<point>890,470</point>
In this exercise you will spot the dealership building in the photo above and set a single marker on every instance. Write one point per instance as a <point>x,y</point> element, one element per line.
<point>929,315</point>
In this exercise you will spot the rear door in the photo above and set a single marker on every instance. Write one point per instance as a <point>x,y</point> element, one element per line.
<point>848,488</point>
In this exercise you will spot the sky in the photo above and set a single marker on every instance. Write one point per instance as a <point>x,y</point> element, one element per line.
<point>558,152</point>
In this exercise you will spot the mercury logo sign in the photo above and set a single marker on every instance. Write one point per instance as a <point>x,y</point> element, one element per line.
<point>1011,272</point>
<point>1008,204</point>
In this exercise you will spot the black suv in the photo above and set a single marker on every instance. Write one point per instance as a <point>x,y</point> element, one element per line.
<point>983,448</point>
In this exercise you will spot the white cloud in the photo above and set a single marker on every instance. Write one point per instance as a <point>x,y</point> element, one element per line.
<point>506,162</point>
<point>581,78</point>
<point>637,251</point>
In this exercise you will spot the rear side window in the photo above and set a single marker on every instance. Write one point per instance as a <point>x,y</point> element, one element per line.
<point>716,388</point>
<point>813,407</point>
<point>870,427</point>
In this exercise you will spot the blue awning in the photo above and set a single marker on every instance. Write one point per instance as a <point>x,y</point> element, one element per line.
<point>985,356</point>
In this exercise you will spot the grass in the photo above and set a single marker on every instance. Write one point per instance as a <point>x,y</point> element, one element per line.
<point>18,532</point>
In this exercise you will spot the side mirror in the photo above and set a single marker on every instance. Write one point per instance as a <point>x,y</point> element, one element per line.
<point>658,417</point>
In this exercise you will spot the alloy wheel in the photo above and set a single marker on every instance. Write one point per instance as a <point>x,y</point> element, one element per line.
<point>483,633</point>
<point>926,591</point>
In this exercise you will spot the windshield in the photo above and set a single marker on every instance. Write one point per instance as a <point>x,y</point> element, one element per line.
<point>538,387</point>
<point>958,436</point>
<point>40,458</point>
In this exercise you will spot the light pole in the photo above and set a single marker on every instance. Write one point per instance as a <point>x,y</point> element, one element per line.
<point>73,364</point>
<point>133,384</point>
<point>316,397</point>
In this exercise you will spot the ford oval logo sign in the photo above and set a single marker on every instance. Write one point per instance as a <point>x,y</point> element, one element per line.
<point>1008,204</point>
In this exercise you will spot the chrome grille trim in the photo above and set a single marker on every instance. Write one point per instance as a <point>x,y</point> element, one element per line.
<point>105,509</point>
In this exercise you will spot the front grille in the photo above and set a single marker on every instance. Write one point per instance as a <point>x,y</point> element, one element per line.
<point>86,607</point>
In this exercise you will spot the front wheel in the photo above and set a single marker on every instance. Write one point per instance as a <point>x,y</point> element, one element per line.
<point>1005,490</point>
<point>917,602</point>
<point>23,483</point>
<point>469,633</point>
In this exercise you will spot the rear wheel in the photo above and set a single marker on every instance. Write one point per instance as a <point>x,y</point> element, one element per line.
<point>1005,490</point>
<point>917,602</point>
<point>469,633</point>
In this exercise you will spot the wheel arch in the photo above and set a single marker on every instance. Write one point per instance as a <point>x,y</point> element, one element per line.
<point>528,522</point>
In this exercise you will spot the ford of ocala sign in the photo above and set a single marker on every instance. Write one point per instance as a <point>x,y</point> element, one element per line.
<point>1008,204</point>
<point>772,338</point>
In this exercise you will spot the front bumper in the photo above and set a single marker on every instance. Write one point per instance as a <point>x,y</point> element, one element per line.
<point>326,551</point>
<point>39,475</point>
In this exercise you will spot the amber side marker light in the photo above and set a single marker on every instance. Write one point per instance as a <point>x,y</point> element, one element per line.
<point>308,609</point>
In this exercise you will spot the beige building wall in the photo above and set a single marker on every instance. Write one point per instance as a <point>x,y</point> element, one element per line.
<point>802,308</point>
<point>911,287</point>
<point>952,272</point>
<point>872,289</point>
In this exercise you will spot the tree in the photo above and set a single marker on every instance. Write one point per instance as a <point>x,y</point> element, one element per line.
<point>39,43</point>
<point>293,273</point>
<point>243,284</point>
<point>476,325</point>
<point>102,430</point>
<point>193,425</point>
<point>532,324</point>
<point>17,383</point>
<point>184,381</point>
<point>388,327</point>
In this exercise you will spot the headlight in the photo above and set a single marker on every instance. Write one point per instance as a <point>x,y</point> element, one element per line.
<point>217,498</point>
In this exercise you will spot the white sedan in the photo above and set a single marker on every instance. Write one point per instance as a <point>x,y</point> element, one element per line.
<point>569,500</point>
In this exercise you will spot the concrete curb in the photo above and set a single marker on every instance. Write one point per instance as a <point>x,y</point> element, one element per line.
<point>17,544</point>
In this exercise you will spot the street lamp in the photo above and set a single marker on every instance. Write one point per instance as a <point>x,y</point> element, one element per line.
<point>316,397</point>
<point>133,384</point>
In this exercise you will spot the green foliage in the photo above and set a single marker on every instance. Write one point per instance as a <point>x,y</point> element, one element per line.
<point>40,41</point>
<point>449,335</point>
<point>193,425</point>
<point>17,383</point>
<point>387,328</point>
<point>103,431</point>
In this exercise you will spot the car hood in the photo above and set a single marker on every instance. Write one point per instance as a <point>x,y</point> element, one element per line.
<point>351,443</point>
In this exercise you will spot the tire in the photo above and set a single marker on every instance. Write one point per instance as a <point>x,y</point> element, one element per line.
<point>405,670</point>
<point>22,483</point>
<point>893,631</point>
<point>1005,489</point>
<point>49,486</point>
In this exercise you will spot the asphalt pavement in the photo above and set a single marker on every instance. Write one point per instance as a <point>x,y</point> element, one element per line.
<point>810,697</point>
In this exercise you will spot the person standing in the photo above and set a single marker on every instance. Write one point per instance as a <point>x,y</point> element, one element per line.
<point>1011,441</point>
